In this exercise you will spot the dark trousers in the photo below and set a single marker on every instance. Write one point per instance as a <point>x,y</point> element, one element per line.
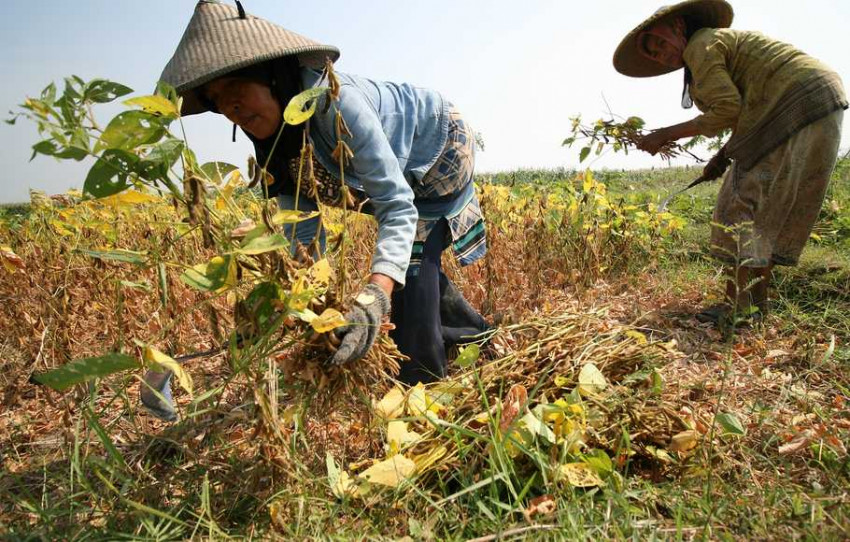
<point>430,315</point>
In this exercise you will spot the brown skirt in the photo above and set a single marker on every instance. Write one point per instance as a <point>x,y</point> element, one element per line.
<point>766,215</point>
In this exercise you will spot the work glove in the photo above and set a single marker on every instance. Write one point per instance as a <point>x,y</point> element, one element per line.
<point>363,324</point>
<point>716,166</point>
<point>156,395</point>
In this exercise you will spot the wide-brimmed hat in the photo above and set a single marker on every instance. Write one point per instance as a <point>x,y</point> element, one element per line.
<point>628,59</point>
<point>221,38</point>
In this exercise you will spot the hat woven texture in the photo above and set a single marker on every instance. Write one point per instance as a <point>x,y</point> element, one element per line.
<point>628,59</point>
<point>218,41</point>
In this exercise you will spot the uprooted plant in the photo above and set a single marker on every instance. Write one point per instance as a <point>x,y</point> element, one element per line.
<point>283,303</point>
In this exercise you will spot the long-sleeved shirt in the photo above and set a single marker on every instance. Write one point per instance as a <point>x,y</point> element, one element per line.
<point>397,133</point>
<point>739,77</point>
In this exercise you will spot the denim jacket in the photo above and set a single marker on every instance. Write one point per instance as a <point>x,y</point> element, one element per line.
<point>397,133</point>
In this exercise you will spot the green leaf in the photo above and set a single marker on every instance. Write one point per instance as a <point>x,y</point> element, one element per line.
<point>585,152</point>
<point>111,450</point>
<point>261,302</point>
<point>267,243</point>
<point>83,370</point>
<point>144,286</point>
<point>110,174</point>
<point>126,256</point>
<point>46,147</point>
<point>302,106</point>
<point>130,130</point>
<point>216,275</point>
<point>156,105</point>
<point>468,356</point>
<point>162,156</point>
<point>600,462</point>
<point>215,172</point>
<point>731,424</point>
<point>103,91</point>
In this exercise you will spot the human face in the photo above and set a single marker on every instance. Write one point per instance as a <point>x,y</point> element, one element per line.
<point>249,104</point>
<point>665,43</point>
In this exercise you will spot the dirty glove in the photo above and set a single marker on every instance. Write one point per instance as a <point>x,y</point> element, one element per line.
<point>364,322</point>
<point>156,395</point>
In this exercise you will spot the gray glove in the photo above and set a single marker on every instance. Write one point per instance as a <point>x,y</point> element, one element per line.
<point>364,322</point>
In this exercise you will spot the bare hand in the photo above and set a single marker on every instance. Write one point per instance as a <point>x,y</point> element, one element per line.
<point>654,141</point>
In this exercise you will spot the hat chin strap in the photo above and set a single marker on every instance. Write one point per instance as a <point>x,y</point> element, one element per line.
<point>241,10</point>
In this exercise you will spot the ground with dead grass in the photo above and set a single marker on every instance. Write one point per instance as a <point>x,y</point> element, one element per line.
<point>687,432</point>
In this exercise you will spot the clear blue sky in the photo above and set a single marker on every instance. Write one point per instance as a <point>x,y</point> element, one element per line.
<point>517,70</point>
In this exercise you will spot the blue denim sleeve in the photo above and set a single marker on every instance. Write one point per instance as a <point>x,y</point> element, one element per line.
<point>305,231</point>
<point>376,166</point>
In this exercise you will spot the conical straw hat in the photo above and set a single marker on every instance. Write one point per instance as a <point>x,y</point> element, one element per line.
<point>628,59</point>
<point>218,40</point>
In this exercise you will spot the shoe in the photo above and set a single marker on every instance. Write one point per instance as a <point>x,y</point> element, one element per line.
<point>455,311</point>
<point>156,395</point>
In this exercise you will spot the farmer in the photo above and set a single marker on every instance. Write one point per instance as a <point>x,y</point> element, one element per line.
<point>784,109</point>
<point>411,168</point>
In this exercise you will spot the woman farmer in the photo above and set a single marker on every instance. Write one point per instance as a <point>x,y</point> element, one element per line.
<point>784,109</point>
<point>411,167</point>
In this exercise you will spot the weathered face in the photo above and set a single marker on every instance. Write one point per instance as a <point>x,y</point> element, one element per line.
<point>665,43</point>
<point>249,104</point>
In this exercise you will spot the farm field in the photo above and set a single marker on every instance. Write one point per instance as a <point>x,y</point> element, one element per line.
<point>599,409</point>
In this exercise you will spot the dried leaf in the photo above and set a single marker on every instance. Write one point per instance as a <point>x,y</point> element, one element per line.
<point>684,441</point>
<point>398,436</point>
<point>390,472</point>
<point>514,401</point>
<point>329,319</point>
<point>579,475</point>
<point>544,505</point>
<point>392,405</point>
<point>591,381</point>
<point>11,261</point>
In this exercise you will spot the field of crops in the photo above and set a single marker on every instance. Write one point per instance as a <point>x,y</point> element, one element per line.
<point>599,409</point>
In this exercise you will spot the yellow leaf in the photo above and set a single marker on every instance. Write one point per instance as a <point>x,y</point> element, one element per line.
<point>398,436</point>
<point>328,320</point>
<point>162,362</point>
<point>638,336</point>
<point>684,441</point>
<point>561,381</point>
<point>591,381</point>
<point>128,197</point>
<point>320,273</point>
<point>340,481</point>
<point>390,472</point>
<point>291,216</point>
<point>422,403</point>
<point>155,104</point>
<point>392,405</point>
<point>579,475</point>
<point>302,106</point>
<point>429,459</point>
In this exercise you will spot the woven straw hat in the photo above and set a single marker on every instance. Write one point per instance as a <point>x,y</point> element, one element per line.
<point>221,38</point>
<point>628,59</point>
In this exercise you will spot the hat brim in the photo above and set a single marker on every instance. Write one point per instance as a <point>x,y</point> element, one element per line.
<point>219,40</point>
<point>628,59</point>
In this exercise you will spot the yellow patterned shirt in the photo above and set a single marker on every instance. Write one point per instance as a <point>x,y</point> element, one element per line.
<point>739,76</point>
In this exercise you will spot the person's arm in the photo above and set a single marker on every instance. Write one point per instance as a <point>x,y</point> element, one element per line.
<point>375,165</point>
<point>713,89</point>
